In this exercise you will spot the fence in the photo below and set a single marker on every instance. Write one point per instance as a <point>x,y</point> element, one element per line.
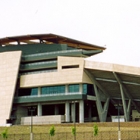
<point>104,135</point>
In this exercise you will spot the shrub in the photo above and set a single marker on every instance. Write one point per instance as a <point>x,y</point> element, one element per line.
<point>73,130</point>
<point>95,129</point>
<point>4,134</point>
<point>52,131</point>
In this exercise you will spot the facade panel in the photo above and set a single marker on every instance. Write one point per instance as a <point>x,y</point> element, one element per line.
<point>9,68</point>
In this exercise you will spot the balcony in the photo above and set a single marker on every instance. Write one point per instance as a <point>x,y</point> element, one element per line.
<point>50,97</point>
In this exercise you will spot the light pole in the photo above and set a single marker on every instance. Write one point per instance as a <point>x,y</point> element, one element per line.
<point>118,107</point>
<point>74,117</point>
<point>119,132</point>
<point>31,109</point>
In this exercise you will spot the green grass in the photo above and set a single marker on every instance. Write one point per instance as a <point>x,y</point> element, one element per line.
<point>86,127</point>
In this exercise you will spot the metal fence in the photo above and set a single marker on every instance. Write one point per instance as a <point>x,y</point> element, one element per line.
<point>104,135</point>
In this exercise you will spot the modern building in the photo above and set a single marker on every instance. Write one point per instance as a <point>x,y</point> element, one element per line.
<point>47,77</point>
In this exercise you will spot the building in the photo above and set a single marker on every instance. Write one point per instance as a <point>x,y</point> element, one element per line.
<point>47,77</point>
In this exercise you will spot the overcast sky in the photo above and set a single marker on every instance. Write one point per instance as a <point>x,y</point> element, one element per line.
<point>114,24</point>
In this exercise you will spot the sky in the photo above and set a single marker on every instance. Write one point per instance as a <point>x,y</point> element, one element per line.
<point>114,24</point>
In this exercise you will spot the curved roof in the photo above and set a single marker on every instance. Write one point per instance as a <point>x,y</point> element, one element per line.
<point>48,39</point>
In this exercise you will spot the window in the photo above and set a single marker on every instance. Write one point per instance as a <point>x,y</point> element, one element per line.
<point>88,89</point>
<point>84,88</point>
<point>73,88</point>
<point>70,66</point>
<point>34,91</point>
<point>53,89</point>
<point>27,91</point>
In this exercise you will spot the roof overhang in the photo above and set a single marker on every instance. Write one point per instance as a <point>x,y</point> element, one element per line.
<point>114,77</point>
<point>48,39</point>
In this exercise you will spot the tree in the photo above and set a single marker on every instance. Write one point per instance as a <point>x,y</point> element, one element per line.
<point>4,134</point>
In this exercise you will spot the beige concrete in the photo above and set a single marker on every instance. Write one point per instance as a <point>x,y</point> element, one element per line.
<point>93,65</point>
<point>20,112</point>
<point>61,76</point>
<point>9,67</point>
<point>86,79</point>
<point>135,115</point>
<point>52,119</point>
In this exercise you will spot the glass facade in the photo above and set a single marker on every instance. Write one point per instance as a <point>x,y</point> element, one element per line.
<point>60,89</point>
<point>84,88</point>
<point>34,91</point>
<point>88,89</point>
<point>27,91</point>
<point>53,89</point>
<point>73,88</point>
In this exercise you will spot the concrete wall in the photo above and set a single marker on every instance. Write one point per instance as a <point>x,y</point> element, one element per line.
<point>135,115</point>
<point>61,76</point>
<point>53,119</point>
<point>9,67</point>
<point>20,112</point>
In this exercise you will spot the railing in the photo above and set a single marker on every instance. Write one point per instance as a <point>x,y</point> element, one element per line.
<point>51,94</point>
<point>41,71</point>
<point>38,63</point>
<point>56,52</point>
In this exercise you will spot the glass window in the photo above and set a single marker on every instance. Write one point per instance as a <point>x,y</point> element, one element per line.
<point>74,88</point>
<point>34,91</point>
<point>27,91</point>
<point>84,88</point>
<point>53,89</point>
<point>88,89</point>
<point>44,90</point>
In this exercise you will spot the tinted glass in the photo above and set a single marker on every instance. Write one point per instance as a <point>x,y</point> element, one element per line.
<point>74,88</point>
<point>53,89</point>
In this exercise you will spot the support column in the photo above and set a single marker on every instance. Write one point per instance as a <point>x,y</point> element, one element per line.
<point>39,106</point>
<point>124,93</point>
<point>66,89</point>
<point>67,112</point>
<point>126,110</point>
<point>73,112</point>
<point>102,111</point>
<point>39,91</point>
<point>89,113</point>
<point>56,110</point>
<point>39,109</point>
<point>80,88</point>
<point>81,111</point>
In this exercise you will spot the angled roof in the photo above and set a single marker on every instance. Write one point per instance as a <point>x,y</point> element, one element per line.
<point>48,39</point>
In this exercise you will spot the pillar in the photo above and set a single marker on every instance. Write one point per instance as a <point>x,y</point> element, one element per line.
<point>67,112</point>
<point>89,113</point>
<point>39,109</point>
<point>73,112</point>
<point>102,110</point>
<point>39,91</point>
<point>80,88</point>
<point>81,111</point>
<point>66,89</point>
<point>56,110</point>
